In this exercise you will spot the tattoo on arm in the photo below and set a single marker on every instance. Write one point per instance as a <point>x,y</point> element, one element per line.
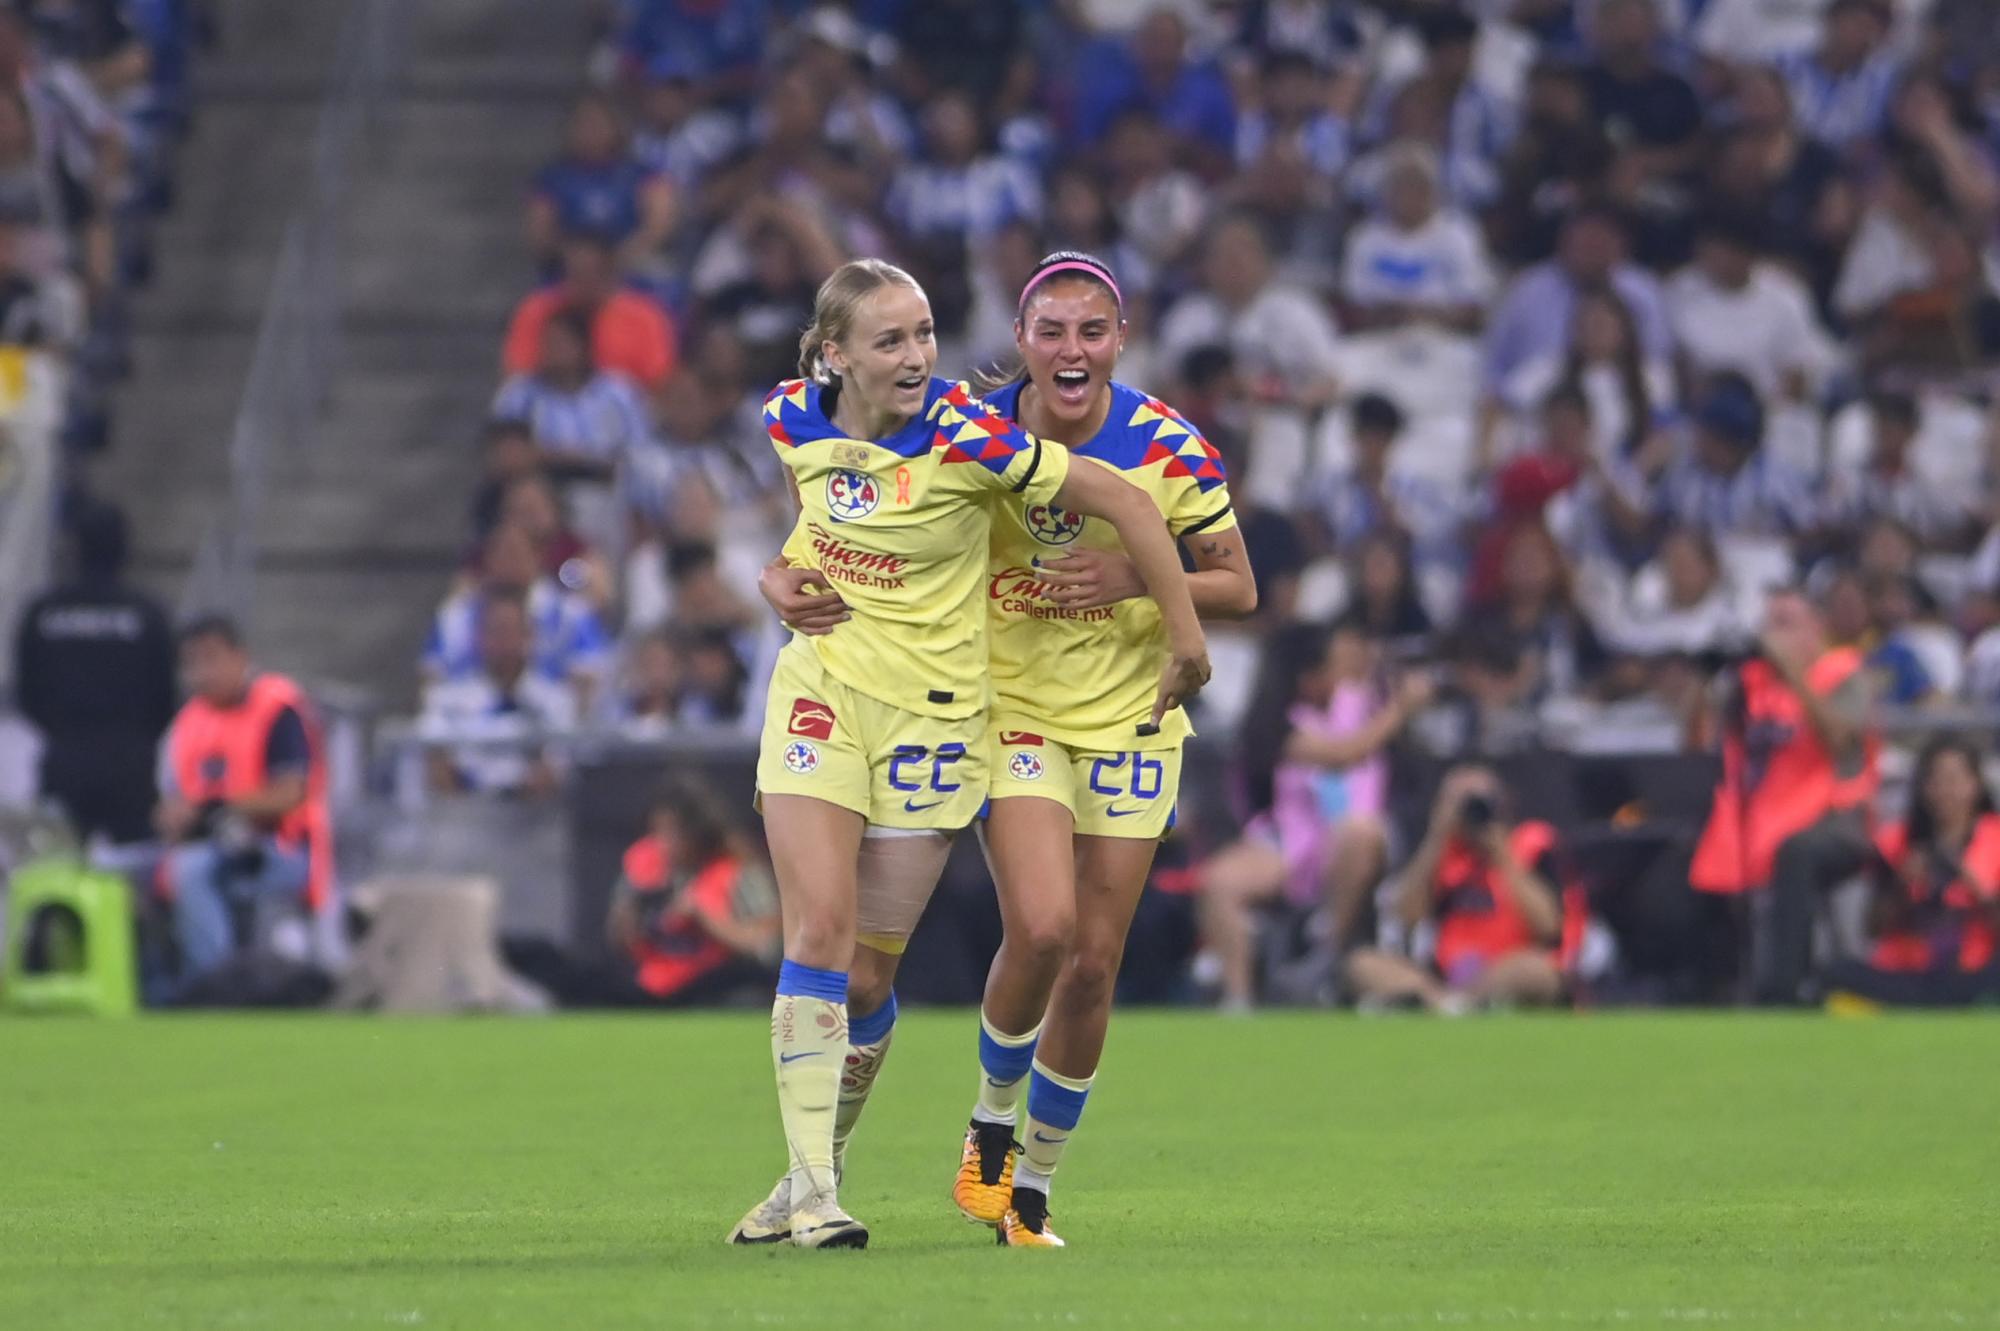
<point>1214,550</point>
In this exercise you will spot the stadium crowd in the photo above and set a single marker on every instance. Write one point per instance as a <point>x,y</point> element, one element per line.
<point>1543,340</point>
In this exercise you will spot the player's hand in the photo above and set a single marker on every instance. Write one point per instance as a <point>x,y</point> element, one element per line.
<point>1185,673</point>
<point>812,613</point>
<point>1086,579</point>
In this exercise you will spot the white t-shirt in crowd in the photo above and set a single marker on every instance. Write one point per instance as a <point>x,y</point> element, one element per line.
<point>1763,331</point>
<point>1284,333</point>
<point>494,737</point>
<point>1443,261</point>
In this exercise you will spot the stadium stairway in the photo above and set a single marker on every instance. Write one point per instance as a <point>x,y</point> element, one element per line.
<point>360,531</point>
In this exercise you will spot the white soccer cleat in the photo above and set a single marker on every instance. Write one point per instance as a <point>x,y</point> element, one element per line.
<point>770,1221</point>
<point>818,1222</point>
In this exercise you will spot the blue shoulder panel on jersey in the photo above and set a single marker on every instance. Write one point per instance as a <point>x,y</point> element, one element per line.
<point>793,416</point>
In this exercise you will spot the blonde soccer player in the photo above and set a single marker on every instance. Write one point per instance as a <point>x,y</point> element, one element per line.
<point>1084,769</point>
<point>873,749</point>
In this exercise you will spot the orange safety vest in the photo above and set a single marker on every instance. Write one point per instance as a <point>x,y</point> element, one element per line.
<point>1908,951</point>
<point>217,753</point>
<point>1777,778</point>
<point>667,964</point>
<point>1476,913</point>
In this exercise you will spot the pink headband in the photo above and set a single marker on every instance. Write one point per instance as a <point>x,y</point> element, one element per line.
<point>1071,266</point>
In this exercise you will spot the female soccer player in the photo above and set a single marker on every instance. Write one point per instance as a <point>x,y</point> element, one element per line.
<point>880,724</point>
<point>1083,777</point>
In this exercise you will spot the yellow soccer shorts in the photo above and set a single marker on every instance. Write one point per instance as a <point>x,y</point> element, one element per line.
<point>1128,794</point>
<point>893,767</point>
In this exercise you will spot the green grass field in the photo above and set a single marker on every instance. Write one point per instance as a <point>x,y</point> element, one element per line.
<point>1294,1170</point>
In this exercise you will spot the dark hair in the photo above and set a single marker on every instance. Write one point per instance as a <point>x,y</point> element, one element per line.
<point>705,829</point>
<point>1374,412</point>
<point>1568,393</point>
<point>220,627</point>
<point>685,557</point>
<point>1290,654</point>
<point>1920,826</point>
<point>1731,227</point>
<point>1285,60</point>
<point>1891,405</point>
<point>1631,364</point>
<point>1205,365</point>
<point>1446,27</point>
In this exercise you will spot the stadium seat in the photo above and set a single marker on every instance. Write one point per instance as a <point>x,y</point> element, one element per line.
<point>69,941</point>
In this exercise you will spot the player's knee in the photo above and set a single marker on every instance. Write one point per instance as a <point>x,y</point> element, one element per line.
<point>820,936</point>
<point>1092,973</point>
<point>1044,937</point>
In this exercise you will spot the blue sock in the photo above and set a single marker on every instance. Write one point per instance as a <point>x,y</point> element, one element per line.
<point>1055,1104</point>
<point>875,1027</point>
<point>812,982</point>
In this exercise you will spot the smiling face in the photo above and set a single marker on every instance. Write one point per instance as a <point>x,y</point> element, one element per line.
<point>890,349</point>
<point>1069,337</point>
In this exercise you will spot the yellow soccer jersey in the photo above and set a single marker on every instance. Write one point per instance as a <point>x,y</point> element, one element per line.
<point>1088,677</point>
<point>901,527</point>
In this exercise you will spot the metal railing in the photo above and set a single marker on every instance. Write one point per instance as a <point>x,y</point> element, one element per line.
<point>297,353</point>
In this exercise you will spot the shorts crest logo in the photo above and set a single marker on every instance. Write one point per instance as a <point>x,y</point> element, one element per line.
<point>801,758</point>
<point>851,495</point>
<point>1025,767</point>
<point>1054,526</point>
<point>810,718</point>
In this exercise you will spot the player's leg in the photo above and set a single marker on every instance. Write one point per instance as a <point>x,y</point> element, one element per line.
<point>815,847</point>
<point>1234,882</point>
<point>900,868</point>
<point>1028,842</point>
<point>1111,876</point>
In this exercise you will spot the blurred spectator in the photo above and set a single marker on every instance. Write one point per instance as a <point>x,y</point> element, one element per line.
<point>723,41</point>
<point>1383,601</point>
<point>1735,31</point>
<point>1556,162</point>
<point>1628,391</point>
<point>1318,785</point>
<point>678,137</point>
<point>695,912</point>
<point>1294,118</point>
<point>1538,310</point>
<point>1894,668</point>
<point>1732,311</point>
<point>1935,876</point>
<point>1531,617</point>
<point>94,672</point>
<point>790,254</point>
<point>487,730</point>
<point>956,195</point>
<point>1488,894</point>
<point>243,804</point>
<point>584,422</point>
<point>718,682</point>
<point>529,504</point>
<point>26,195</point>
<point>1080,217</point>
<point>1841,87</point>
<point>1798,772</point>
<point>597,187</point>
<point>646,702</point>
<point>37,309</point>
<point>1153,72</point>
<point>1890,485</point>
<point>1679,604</point>
<point>1562,453</point>
<point>1161,206</point>
<point>1446,106</point>
<point>1763,166</point>
<point>81,148</point>
<point>1722,481</point>
<point>629,332</point>
<point>507,455</point>
<point>1415,264</point>
<point>567,641</point>
<point>1284,346</point>
<point>1374,495</point>
<point>1914,286</point>
<point>1646,108</point>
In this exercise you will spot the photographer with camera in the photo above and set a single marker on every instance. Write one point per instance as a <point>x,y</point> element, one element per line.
<point>1790,818</point>
<point>244,803</point>
<point>1488,893</point>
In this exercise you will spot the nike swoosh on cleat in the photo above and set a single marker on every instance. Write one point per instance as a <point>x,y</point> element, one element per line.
<point>1049,1141</point>
<point>911,806</point>
<point>793,1058</point>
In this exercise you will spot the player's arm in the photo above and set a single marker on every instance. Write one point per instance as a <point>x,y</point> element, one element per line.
<point>1097,492</point>
<point>1221,586</point>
